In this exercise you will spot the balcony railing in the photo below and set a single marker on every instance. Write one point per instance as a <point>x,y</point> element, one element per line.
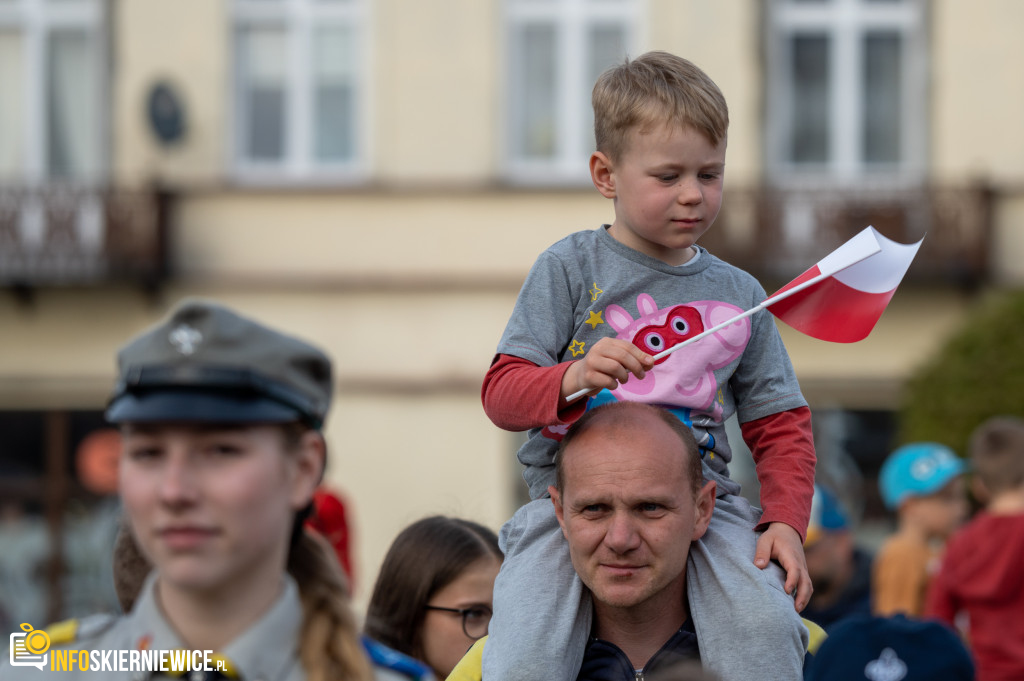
<point>776,234</point>
<point>69,236</point>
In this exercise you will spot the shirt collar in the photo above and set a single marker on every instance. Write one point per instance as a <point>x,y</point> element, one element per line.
<point>266,650</point>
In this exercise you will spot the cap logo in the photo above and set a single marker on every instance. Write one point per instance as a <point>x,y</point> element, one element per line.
<point>185,338</point>
<point>924,468</point>
<point>888,667</point>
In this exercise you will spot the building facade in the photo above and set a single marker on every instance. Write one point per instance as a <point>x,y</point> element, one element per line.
<point>378,176</point>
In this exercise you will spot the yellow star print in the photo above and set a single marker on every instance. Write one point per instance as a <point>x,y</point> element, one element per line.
<point>595,292</point>
<point>576,348</point>
<point>595,319</point>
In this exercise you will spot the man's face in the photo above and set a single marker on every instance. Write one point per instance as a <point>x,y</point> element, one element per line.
<point>628,512</point>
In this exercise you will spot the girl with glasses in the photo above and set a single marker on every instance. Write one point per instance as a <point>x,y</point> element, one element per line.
<point>433,595</point>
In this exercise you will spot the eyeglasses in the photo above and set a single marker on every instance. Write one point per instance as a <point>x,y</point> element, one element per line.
<point>474,620</point>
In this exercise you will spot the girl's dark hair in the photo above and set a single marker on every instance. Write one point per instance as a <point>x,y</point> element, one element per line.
<point>424,558</point>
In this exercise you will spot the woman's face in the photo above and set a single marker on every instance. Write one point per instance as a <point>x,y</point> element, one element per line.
<point>214,505</point>
<point>444,641</point>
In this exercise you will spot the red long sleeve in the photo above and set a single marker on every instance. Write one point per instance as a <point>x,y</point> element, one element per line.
<point>782,445</point>
<point>519,395</point>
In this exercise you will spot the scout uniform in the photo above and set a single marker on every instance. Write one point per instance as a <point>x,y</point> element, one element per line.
<point>206,364</point>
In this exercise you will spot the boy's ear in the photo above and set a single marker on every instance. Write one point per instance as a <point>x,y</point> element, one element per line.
<point>602,174</point>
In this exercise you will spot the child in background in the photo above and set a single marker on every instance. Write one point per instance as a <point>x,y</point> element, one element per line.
<point>593,311</point>
<point>982,572</point>
<point>923,483</point>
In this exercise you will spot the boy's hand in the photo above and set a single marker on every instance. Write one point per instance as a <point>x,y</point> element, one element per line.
<point>782,543</point>
<point>607,364</point>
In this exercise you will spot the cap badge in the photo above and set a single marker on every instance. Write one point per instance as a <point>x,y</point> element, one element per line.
<point>888,667</point>
<point>185,338</point>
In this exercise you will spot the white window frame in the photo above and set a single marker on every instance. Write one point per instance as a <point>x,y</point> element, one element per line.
<point>846,22</point>
<point>300,19</point>
<point>35,20</point>
<point>571,20</point>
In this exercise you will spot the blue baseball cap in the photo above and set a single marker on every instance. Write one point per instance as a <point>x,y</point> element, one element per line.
<point>867,648</point>
<point>826,515</point>
<point>917,469</point>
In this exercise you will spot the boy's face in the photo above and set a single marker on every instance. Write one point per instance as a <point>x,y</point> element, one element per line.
<point>667,189</point>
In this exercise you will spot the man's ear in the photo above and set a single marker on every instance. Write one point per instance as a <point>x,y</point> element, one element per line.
<point>704,508</point>
<point>602,174</point>
<point>556,501</point>
<point>309,459</point>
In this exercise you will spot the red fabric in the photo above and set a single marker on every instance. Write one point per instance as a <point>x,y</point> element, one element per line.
<point>782,445</point>
<point>518,395</point>
<point>330,520</point>
<point>981,575</point>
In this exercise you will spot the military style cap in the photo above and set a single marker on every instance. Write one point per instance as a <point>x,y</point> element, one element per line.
<point>208,363</point>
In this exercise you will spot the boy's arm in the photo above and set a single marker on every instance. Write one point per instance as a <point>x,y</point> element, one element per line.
<point>783,450</point>
<point>519,395</point>
<point>782,446</point>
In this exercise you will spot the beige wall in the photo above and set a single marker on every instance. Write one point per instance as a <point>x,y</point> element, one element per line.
<point>977,98</point>
<point>182,42</point>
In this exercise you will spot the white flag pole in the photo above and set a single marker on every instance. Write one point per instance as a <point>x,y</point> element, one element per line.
<point>770,300</point>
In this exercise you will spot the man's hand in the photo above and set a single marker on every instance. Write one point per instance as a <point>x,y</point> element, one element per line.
<point>607,364</point>
<point>782,543</point>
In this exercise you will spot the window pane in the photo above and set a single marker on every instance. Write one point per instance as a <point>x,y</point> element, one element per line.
<point>809,136</point>
<point>334,96</point>
<point>882,97</point>
<point>72,106</point>
<point>11,104</point>
<point>607,47</point>
<point>534,107</point>
<point>264,58</point>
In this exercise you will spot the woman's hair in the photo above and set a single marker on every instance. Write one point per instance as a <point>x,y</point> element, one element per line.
<point>329,643</point>
<point>424,558</point>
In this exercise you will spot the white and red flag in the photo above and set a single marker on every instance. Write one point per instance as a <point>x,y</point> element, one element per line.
<point>841,298</point>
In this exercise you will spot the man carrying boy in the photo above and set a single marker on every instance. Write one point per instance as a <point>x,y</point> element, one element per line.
<point>981,574</point>
<point>615,460</point>
<point>593,311</point>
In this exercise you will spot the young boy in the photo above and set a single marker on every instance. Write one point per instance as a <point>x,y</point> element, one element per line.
<point>593,311</point>
<point>981,572</point>
<point>923,483</point>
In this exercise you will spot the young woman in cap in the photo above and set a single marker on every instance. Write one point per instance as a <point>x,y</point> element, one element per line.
<point>220,419</point>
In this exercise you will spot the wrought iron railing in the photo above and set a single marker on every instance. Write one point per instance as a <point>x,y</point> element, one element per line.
<point>67,236</point>
<point>776,234</point>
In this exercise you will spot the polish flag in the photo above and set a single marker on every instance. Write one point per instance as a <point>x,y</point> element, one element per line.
<point>841,298</point>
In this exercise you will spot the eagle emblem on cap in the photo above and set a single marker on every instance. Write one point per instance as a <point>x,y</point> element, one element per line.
<point>888,667</point>
<point>185,339</point>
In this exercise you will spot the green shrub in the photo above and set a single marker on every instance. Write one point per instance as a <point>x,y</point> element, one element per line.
<point>978,373</point>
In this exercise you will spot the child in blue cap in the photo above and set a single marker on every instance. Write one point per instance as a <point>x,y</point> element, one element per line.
<point>923,484</point>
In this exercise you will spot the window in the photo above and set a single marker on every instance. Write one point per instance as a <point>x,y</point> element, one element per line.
<point>845,89</point>
<point>299,85</point>
<point>556,50</point>
<point>52,89</point>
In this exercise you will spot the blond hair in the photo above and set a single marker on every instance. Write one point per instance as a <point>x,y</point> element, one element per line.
<point>656,88</point>
<point>997,453</point>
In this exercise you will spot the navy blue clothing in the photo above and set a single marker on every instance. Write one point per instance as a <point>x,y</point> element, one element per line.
<point>604,661</point>
<point>854,600</point>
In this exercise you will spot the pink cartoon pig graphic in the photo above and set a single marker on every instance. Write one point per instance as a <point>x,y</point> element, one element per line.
<point>684,378</point>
